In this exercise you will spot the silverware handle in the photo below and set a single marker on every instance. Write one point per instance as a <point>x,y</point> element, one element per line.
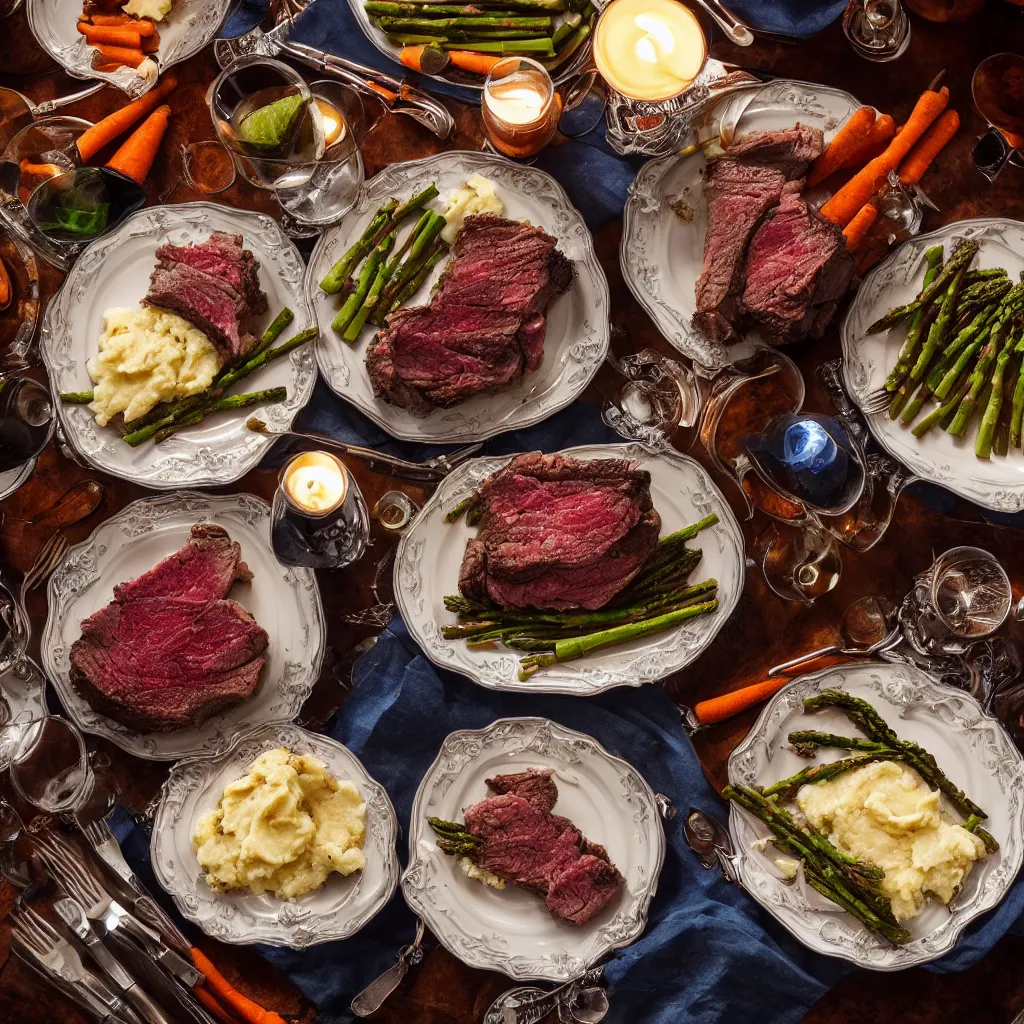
<point>155,916</point>
<point>734,27</point>
<point>372,997</point>
<point>150,1011</point>
<point>49,106</point>
<point>783,669</point>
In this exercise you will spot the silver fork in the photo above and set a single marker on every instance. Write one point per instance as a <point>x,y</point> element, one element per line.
<point>38,937</point>
<point>48,557</point>
<point>876,402</point>
<point>61,859</point>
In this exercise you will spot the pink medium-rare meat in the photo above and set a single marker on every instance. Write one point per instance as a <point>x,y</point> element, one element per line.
<point>790,151</point>
<point>558,533</point>
<point>222,256</point>
<point>521,841</point>
<point>484,326</point>
<point>798,268</point>
<point>203,569</point>
<point>170,650</point>
<point>535,785</point>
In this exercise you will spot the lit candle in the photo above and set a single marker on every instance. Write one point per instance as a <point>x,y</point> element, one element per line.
<point>649,49</point>
<point>315,483</point>
<point>332,120</point>
<point>520,107</point>
<point>516,104</point>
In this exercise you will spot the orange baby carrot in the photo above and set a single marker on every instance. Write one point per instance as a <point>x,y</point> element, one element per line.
<point>857,229</point>
<point>91,141</point>
<point>242,1005</point>
<point>213,1006</point>
<point>151,43</point>
<point>110,19</point>
<point>932,143</point>
<point>121,54</point>
<point>873,144</point>
<point>857,126</point>
<point>847,202</point>
<point>119,35</point>
<point>136,156</point>
<point>718,709</point>
<point>478,63</point>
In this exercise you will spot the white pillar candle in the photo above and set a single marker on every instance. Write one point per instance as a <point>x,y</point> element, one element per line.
<point>315,482</point>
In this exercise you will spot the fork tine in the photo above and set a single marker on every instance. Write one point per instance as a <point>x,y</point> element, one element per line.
<point>60,859</point>
<point>56,557</point>
<point>32,934</point>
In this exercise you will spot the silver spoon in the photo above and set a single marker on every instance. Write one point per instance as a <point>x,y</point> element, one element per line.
<point>14,103</point>
<point>866,629</point>
<point>734,27</point>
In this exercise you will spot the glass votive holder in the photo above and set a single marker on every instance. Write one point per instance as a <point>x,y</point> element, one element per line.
<point>520,107</point>
<point>48,764</point>
<point>319,517</point>
<point>394,511</point>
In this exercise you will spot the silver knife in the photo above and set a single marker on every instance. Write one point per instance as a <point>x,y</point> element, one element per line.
<point>372,997</point>
<point>397,95</point>
<point>72,914</point>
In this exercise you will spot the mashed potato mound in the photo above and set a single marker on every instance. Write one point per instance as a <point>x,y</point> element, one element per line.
<point>147,356</point>
<point>477,195</point>
<point>283,828</point>
<point>885,814</point>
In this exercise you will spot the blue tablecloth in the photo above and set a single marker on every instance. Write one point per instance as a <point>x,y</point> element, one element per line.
<point>709,954</point>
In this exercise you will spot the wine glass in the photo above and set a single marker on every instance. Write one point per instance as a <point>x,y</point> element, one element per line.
<point>998,91</point>
<point>26,421</point>
<point>48,763</point>
<point>878,30</point>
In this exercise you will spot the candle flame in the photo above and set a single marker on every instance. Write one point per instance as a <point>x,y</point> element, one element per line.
<point>659,40</point>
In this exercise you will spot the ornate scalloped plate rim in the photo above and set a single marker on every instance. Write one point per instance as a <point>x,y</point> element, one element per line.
<point>257,445</point>
<point>128,739</point>
<point>497,961</point>
<point>915,454</point>
<point>253,933</point>
<point>125,79</point>
<point>813,682</point>
<point>582,688</point>
<point>520,418</point>
<point>674,327</point>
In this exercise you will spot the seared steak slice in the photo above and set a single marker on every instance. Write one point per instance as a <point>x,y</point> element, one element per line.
<point>740,189</point>
<point>162,664</point>
<point>522,842</point>
<point>535,785</point>
<point>203,570</point>
<point>484,326</point>
<point>798,269</point>
<point>169,650</point>
<point>559,533</point>
<point>223,257</point>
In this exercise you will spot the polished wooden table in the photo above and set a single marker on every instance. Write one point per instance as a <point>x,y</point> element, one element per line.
<point>762,631</point>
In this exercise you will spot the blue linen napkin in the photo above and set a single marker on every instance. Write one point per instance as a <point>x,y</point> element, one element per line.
<point>799,18</point>
<point>709,954</point>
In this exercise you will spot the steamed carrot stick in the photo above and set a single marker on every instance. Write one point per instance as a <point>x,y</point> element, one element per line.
<point>411,57</point>
<point>136,156</point>
<point>111,19</point>
<point>871,251</point>
<point>928,148</point>
<point>873,144</point>
<point>121,54</point>
<point>242,1005</point>
<point>857,229</point>
<point>718,709</point>
<point>151,43</point>
<point>91,141</point>
<point>39,170</point>
<point>211,1004</point>
<point>847,202</point>
<point>857,126</point>
<point>478,63</point>
<point>120,35</point>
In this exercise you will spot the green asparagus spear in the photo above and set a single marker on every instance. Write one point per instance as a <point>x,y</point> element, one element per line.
<point>77,397</point>
<point>339,273</point>
<point>226,404</point>
<point>387,268</point>
<point>566,29</point>
<point>354,302</point>
<point>460,36</point>
<point>425,239</point>
<point>272,333</point>
<point>990,417</point>
<point>514,48</point>
<point>384,8</point>
<point>1017,411</point>
<point>569,46</point>
<point>945,412</point>
<point>933,261</point>
<point>435,254</point>
<point>441,25</point>
<point>980,377</point>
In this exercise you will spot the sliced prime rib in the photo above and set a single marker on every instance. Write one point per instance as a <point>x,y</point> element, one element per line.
<point>558,532</point>
<point>171,650</point>
<point>535,785</point>
<point>798,268</point>
<point>215,286</point>
<point>740,189</point>
<point>484,326</point>
<point>522,842</point>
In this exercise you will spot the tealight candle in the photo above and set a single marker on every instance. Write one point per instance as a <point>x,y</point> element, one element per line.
<point>520,107</point>
<point>315,483</point>
<point>332,120</point>
<point>649,49</point>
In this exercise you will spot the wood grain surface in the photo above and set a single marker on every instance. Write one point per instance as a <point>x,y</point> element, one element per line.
<point>762,631</point>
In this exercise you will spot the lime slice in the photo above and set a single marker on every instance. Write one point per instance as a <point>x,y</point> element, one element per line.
<point>272,125</point>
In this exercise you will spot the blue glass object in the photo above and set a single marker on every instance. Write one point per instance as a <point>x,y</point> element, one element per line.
<point>810,459</point>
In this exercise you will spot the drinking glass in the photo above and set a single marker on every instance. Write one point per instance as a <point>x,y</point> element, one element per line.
<point>878,30</point>
<point>964,597</point>
<point>207,167</point>
<point>20,313</point>
<point>520,107</point>
<point>26,420</point>
<point>307,153</point>
<point>48,763</point>
<point>998,91</point>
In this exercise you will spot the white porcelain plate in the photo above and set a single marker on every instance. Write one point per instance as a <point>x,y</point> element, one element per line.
<point>284,601</point>
<point>969,746</point>
<point>510,930</point>
<point>431,550</point>
<point>338,909</point>
<point>114,271</point>
<point>661,253</point>
<point>189,26</point>
<point>996,483</point>
<point>577,331</point>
